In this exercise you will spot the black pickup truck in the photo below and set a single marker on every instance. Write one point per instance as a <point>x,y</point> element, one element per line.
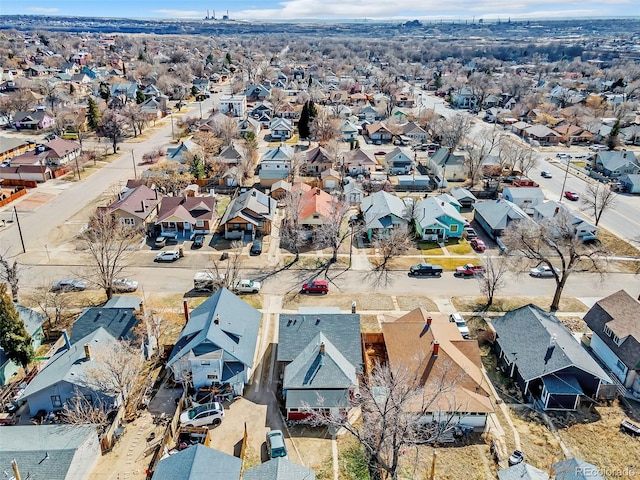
<point>425,269</point>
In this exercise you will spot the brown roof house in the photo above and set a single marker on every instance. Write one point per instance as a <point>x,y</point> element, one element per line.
<point>136,207</point>
<point>248,213</point>
<point>317,160</point>
<point>185,216</point>
<point>615,325</point>
<point>434,346</point>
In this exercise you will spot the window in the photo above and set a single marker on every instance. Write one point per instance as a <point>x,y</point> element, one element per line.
<point>205,362</point>
<point>127,221</point>
<point>453,228</point>
<point>56,401</point>
<point>199,223</point>
<point>212,376</point>
<point>620,365</point>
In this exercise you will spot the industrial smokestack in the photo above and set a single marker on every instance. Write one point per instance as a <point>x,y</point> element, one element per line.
<point>185,307</point>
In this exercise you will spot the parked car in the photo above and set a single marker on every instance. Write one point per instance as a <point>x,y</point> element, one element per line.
<point>463,328</point>
<point>542,271</point>
<point>545,174</point>
<point>425,269</point>
<point>316,286</point>
<point>275,445</point>
<point>563,155</point>
<point>516,457</point>
<point>597,147</point>
<point>471,233</point>
<point>198,241</point>
<point>168,256</point>
<point>256,247</point>
<point>69,285</point>
<point>380,153</point>
<point>125,285</point>
<point>202,415</point>
<point>470,270</point>
<point>246,286</point>
<point>573,196</point>
<point>478,245</point>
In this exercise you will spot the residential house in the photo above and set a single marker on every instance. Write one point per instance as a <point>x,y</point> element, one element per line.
<point>519,128</point>
<point>68,374</point>
<point>182,152</point>
<point>358,162</point>
<point>614,163</point>
<point>201,87</point>
<point>573,134</point>
<point>316,207</point>
<point>185,216</point>
<point>249,126</point>
<point>543,134</point>
<point>74,120</point>
<point>404,99</point>
<point>432,347</point>
<point>281,128</point>
<point>464,98</point>
<point>448,166</point>
<point>55,152</point>
<point>465,198</point>
<point>255,93</point>
<point>275,165</point>
<point>263,109</point>
<point>548,364</point>
<point>353,192</point>
<point>630,183</point>
<point>383,213</point>
<point>136,207</point>
<point>218,343</point>
<point>198,462</point>
<point>331,179</point>
<point>279,468</point>
<point>230,155</point>
<point>349,131</point>
<point>399,162</point>
<point>378,132</point>
<point>319,358</point>
<point>127,89</point>
<point>415,132</point>
<point>32,321</point>
<point>37,119</point>
<point>582,228</point>
<point>250,212</point>
<point>494,216</point>
<point>233,105</point>
<point>522,471</point>
<point>576,469</point>
<point>527,198</point>
<point>54,452</point>
<point>435,219</point>
<point>154,108</point>
<point>317,160</point>
<point>280,189</point>
<point>369,114</point>
<point>12,147</point>
<point>151,91</point>
<point>615,336</point>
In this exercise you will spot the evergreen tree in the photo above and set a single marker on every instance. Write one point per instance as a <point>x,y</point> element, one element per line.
<point>612,141</point>
<point>227,58</point>
<point>14,338</point>
<point>93,114</point>
<point>303,123</point>
<point>140,97</point>
<point>197,168</point>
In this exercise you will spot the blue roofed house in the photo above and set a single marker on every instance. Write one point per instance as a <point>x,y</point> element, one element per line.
<point>279,469</point>
<point>349,131</point>
<point>435,219</point>
<point>549,365</point>
<point>188,147</point>
<point>614,164</point>
<point>33,324</point>
<point>275,165</point>
<point>51,452</point>
<point>398,161</point>
<point>494,216</point>
<point>198,462</point>
<point>383,213</point>
<point>630,183</point>
<point>320,357</point>
<point>522,471</point>
<point>524,197</point>
<point>281,128</point>
<point>465,198</point>
<point>69,373</point>
<point>218,343</point>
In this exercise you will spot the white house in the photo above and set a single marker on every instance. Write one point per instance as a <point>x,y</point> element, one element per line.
<point>234,105</point>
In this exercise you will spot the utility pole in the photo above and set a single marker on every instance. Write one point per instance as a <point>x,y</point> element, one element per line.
<point>564,182</point>
<point>133,159</point>
<point>15,213</point>
<point>78,168</point>
<point>173,137</point>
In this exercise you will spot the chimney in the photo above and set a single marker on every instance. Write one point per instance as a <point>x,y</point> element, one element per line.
<point>185,307</point>
<point>624,155</point>
<point>317,320</point>
<point>436,348</point>
<point>67,343</point>
<point>217,319</point>
<point>429,320</point>
<point>142,205</point>
<point>317,191</point>
<point>16,472</point>
<point>322,348</point>
<point>155,190</point>
<point>141,308</point>
<point>556,211</point>
<point>87,351</point>
<point>552,341</point>
<point>442,203</point>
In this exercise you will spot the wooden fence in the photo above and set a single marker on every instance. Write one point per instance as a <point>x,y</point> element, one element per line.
<point>14,182</point>
<point>243,448</point>
<point>107,440</point>
<point>13,197</point>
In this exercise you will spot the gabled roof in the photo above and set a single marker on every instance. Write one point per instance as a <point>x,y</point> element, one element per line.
<point>230,154</point>
<point>444,157</point>
<point>198,462</point>
<point>412,128</point>
<point>613,160</point>
<point>236,331</point>
<point>118,322</point>
<point>377,127</point>
<point>30,445</point>
<point>318,155</point>
<point>316,201</point>
<point>525,337</point>
<point>620,312</point>
<point>395,155</point>
<point>61,147</point>
<point>576,469</point>
<point>188,209</point>
<point>522,471</point>
<point>280,123</point>
<point>279,153</point>
<point>32,320</point>
<point>434,210</point>
<point>253,206</point>
<point>409,343</point>
<point>279,469</point>
<point>541,131</point>
<point>70,365</point>
<point>132,202</point>
<point>358,157</point>
<point>524,192</point>
<point>378,206</point>
<point>499,213</point>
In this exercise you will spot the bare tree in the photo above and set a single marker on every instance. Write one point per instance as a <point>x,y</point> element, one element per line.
<point>325,128</point>
<point>78,410</point>
<point>228,271</point>
<point>334,230</point>
<point>494,278</point>
<point>451,131</point>
<point>598,198</point>
<point>476,157</point>
<point>391,246</point>
<point>51,304</point>
<point>291,233</point>
<point>554,243</point>
<point>10,273</point>
<point>520,157</point>
<point>278,99</point>
<point>112,128</point>
<point>394,404</point>
<point>228,130</point>
<point>137,120</point>
<point>110,243</point>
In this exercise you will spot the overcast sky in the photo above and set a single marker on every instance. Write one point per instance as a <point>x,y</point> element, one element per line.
<point>330,9</point>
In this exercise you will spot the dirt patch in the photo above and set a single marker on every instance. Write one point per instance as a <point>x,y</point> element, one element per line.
<point>314,445</point>
<point>506,304</point>
<point>365,302</point>
<point>34,200</point>
<point>402,263</point>
<point>540,447</point>
<point>623,266</point>
<point>411,303</point>
<point>615,245</point>
<point>575,324</point>
<point>369,324</point>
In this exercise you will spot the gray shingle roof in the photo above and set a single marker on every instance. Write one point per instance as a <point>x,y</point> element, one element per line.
<point>32,319</point>
<point>576,469</point>
<point>524,335</point>
<point>236,333</point>
<point>279,469</point>
<point>522,471</point>
<point>499,213</point>
<point>462,193</point>
<point>28,445</point>
<point>117,321</point>
<point>123,301</point>
<point>198,462</point>
<point>381,205</point>
<point>613,160</point>
<point>433,210</point>
<point>252,205</point>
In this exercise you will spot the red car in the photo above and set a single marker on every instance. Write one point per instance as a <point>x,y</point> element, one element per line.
<point>572,196</point>
<point>478,245</point>
<point>470,270</point>
<point>316,286</point>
